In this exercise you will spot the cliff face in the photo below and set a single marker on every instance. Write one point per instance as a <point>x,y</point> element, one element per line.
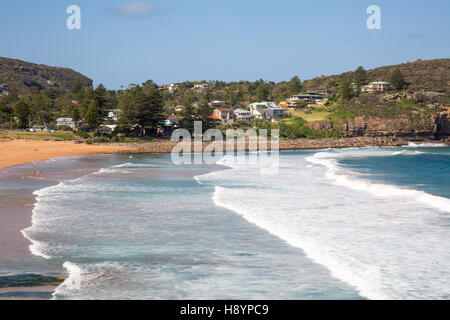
<point>436,126</point>
<point>443,124</point>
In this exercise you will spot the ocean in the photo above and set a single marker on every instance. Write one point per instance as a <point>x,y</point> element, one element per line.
<point>357,223</point>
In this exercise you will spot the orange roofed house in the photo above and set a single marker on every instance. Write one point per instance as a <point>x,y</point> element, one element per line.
<point>223,114</point>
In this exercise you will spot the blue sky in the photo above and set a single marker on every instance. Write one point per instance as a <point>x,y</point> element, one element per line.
<point>122,42</point>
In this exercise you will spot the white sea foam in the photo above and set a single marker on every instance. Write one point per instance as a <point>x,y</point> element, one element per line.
<point>72,283</point>
<point>38,219</point>
<point>36,248</point>
<point>425,145</point>
<point>136,165</point>
<point>340,177</point>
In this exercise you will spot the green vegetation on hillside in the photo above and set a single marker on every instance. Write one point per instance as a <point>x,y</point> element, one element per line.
<point>20,77</point>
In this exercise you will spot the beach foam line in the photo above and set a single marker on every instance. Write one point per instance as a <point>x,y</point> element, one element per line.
<point>364,277</point>
<point>37,248</point>
<point>425,145</point>
<point>72,282</point>
<point>136,165</point>
<point>340,177</point>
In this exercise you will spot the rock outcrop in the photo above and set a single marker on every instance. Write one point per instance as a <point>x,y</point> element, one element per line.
<point>437,126</point>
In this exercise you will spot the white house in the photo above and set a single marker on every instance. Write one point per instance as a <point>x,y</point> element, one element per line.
<point>309,97</point>
<point>201,87</point>
<point>107,129</point>
<point>244,115</point>
<point>65,122</point>
<point>377,86</point>
<point>263,104</point>
<point>257,109</point>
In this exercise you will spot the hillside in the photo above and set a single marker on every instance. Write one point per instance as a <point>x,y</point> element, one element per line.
<point>428,75</point>
<point>21,76</point>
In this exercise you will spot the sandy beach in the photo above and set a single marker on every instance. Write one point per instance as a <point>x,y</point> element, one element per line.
<point>14,152</point>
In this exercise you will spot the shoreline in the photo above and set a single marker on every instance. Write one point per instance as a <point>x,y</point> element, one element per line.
<point>18,151</point>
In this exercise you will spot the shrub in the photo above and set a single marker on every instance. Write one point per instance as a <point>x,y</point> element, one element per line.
<point>82,134</point>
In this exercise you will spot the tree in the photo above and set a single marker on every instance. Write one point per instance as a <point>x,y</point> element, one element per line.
<point>76,116</point>
<point>203,114</point>
<point>262,91</point>
<point>397,79</point>
<point>93,116</point>
<point>87,97</point>
<point>360,76</point>
<point>294,85</point>
<point>22,113</point>
<point>346,90</point>
<point>189,115</point>
<point>76,88</point>
<point>100,96</point>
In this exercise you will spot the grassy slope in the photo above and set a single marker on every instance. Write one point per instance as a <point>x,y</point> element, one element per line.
<point>59,135</point>
<point>315,115</point>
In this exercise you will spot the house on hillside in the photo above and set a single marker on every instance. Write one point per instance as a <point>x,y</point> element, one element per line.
<point>289,104</point>
<point>308,97</point>
<point>223,114</point>
<point>377,86</point>
<point>217,104</point>
<point>169,88</point>
<point>274,114</point>
<point>243,115</point>
<point>266,111</point>
<point>256,110</point>
<point>264,104</point>
<point>199,88</point>
<point>320,91</point>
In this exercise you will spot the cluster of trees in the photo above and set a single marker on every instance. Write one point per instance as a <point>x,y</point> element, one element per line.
<point>45,106</point>
<point>141,105</point>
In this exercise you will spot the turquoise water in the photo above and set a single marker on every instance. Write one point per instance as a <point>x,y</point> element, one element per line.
<point>331,224</point>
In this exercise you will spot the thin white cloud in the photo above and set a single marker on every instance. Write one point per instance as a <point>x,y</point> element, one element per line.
<point>136,9</point>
